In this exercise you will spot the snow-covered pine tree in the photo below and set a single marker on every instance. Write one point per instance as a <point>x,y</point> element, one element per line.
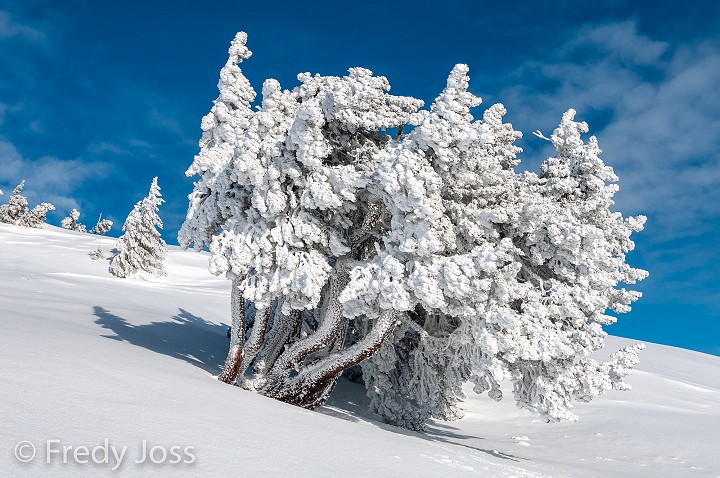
<point>72,223</point>
<point>427,249</point>
<point>222,128</point>
<point>96,254</point>
<point>36,216</point>
<point>141,249</point>
<point>16,210</point>
<point>102,226</point>
<point>17,205</point>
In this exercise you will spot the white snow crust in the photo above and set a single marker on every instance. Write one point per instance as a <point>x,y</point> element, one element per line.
<point>85,356</point>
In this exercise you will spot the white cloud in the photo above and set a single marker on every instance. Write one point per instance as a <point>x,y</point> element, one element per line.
<point>47,179</point>
<point>104,147</point>
<point>622,41</point>
<point>8,108</point>
<point>10,29</point>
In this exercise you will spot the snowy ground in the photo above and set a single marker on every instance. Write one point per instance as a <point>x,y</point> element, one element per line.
<point>86,357</point>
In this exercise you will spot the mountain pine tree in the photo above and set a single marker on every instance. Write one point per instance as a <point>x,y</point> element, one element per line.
<point>72,222</point>
<point>141,248</point>
<point>17,206</point>
<point>102,226</point>
<point>426,258</point>
<point>36,216</point>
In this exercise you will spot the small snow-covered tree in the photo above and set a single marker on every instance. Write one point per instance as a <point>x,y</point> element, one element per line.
<point>36,216</point>
<point>96,254</point>
<point>16,210</point>
<point>72,222</point>
<point>426,258</point>
<point>17,205</point>
<point>102,226</point>
<point>141,249</point>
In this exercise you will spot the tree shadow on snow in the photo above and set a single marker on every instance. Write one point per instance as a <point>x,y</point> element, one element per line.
<point>204,344</point>
<point>349,402</point>
<point>186,337</point>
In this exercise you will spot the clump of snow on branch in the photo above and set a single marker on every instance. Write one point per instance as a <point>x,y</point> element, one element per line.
<point>141,248</point>
<point>425,258</point>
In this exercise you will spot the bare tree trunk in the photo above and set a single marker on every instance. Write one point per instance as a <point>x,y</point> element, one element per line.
<point>325,389</point>
<point>234,358</point>
<point>257,337</point>
<point>285,328</point>
<point>333,323</point>
<point>313,385</point>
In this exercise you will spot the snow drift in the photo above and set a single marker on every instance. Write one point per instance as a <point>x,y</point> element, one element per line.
<point>86,357</point>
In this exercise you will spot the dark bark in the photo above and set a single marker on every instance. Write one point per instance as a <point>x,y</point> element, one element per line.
<point>312,386</point>
<point>331,326</point>
<point>257,337</point>
<point>285,329</point>
<point>234,359</point>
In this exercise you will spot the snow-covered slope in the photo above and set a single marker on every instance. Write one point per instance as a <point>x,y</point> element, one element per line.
<point>86,357</point>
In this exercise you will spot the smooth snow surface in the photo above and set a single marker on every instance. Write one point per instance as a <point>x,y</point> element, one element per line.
<point>85,356</point>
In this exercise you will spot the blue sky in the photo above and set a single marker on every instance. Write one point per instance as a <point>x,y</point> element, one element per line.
<point>96,98</point>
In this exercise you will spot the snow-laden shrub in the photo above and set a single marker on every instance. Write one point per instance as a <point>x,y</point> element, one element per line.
<point>425,258</point>
<point>96,254</point>
<point>17,205</point>
<point>72,222</point>
<point>102,226</point>
<point>36,216</point>
<point>16,210</point>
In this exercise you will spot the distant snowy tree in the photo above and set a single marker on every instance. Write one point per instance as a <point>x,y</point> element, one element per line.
<point>17,206</point>
<point>97,254</point>
<point>141,248</point>
<point>16,210</point>
<point>72,223</point>
<point>36,216</point>
<point>102,226</point>
<point>425,258</point>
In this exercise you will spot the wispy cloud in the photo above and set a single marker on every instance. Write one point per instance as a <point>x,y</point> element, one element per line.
<point>48,179</point>
<point>103,147</point>
<point>10,28</point>
<point>653,108</point>
<point>621,41</point>
<point>69,117</point>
